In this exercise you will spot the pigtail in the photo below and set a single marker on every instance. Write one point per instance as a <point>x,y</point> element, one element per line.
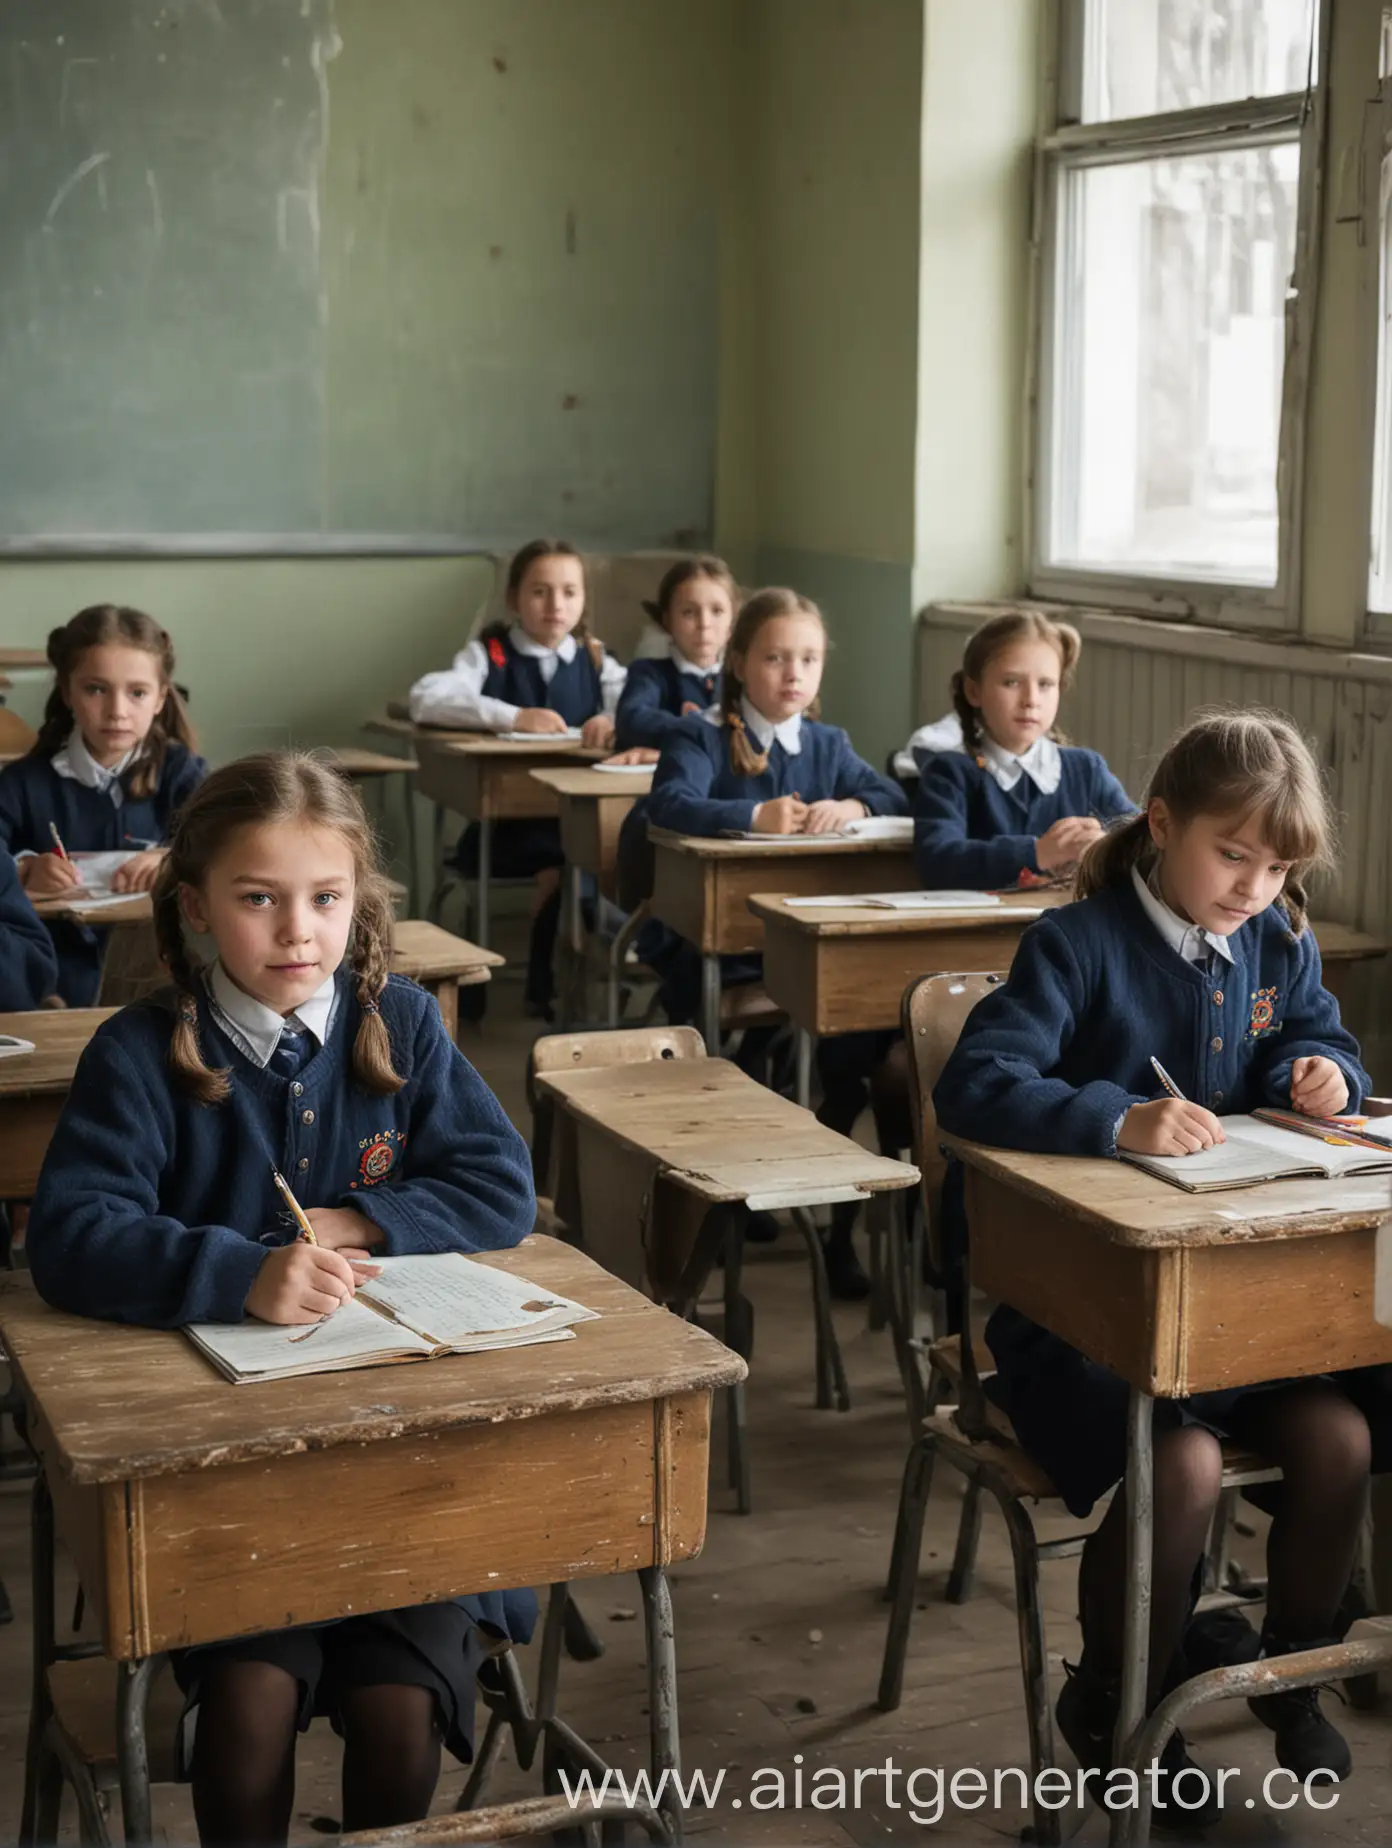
<point>594,648</point>
<point>371,964</point>
<point>744,759</point>
<point>55,727</point>
<point>1295,900</point>
<point>1110,860</point>
<point>185,1051</point>
<point>968,714</point>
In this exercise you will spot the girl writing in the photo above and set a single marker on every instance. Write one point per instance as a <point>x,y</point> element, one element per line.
<point>295,1050</point>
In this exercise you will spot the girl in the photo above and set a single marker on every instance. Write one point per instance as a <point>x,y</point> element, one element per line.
<point>1189,946</point>
<point>28,966</point>
<point>762,762</point>
<point>1011,804</point>
<point>696,606</point>
<point>540,672</point>
<point>114,759</point>
<point>295,1050</point>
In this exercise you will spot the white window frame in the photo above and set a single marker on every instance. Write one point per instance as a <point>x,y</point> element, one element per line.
<point>1065,144</point>
<point>1375,186</point>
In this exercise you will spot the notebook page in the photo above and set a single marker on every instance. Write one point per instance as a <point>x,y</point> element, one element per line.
<point>1289,1145</point>
<point>95,871</point>
<point>1238,1162</point>
<point>881,828</point>
<point>451,1299</point>
<point>903,901</point>
<point>261,1350</point>
<point>516,737</point>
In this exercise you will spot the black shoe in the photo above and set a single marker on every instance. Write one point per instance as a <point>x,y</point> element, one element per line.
<point>1307,1744</point>
<point>846,1278</point>
<point>1219,1639</point>
<point>1087,1712</point>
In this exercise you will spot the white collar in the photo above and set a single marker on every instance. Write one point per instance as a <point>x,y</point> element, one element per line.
<point>1186,940</point>
<point>256,1028</point>
<point>1042,763</point>
<point>563,651</point>
<point>788,732</point>
<point>942,735</point>
<point>73,760</point>
<point>689,667</point>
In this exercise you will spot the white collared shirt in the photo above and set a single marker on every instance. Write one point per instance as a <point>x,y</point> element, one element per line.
<point>689,667</point>
<point>1186,940</point>
<point>1041,763</point>
<point>455,696</point>
<point>73,760</point>
<point>254,1028</point>
<point>788,732</point>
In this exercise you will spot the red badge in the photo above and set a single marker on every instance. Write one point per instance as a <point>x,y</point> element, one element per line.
<point>1263,1019</point>
<point>377,1157</point>
<point>497,654</point>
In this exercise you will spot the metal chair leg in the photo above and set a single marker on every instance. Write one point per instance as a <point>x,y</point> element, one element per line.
<point>959,1580</point>
<point>581,1643</point>
<point>831,1370</point>
<point>1034,1656</point>
<point>908,1544</point>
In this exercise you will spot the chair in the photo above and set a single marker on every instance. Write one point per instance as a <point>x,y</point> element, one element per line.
<point>975,1437</point>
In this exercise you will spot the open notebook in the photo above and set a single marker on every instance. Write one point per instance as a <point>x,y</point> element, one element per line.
<point>889,830</point>
<point>971,902</point>
<point>1257,1151</point>
<point>418,1309</point>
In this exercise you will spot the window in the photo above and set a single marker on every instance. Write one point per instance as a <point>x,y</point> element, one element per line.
<point>1172,203</point>
<point>1380,555</point>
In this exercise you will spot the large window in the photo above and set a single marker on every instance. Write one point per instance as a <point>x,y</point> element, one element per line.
<point>1170,294</point>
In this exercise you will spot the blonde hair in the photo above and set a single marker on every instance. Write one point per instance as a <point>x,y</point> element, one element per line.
<point>995,636</point>
<point>762,607</point>
<point>276,786</point>
<point>1229,762</point>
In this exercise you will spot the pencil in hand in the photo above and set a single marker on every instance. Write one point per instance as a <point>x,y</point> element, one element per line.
<point>306,1229</point>
<point>58,846</point>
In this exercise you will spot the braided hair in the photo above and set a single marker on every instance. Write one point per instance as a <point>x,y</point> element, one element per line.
<point>762,607</point>
<point>276,786</point>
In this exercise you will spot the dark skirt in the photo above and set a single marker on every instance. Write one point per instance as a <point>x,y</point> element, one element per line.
<point>79,952</point>
<point>518,850</point>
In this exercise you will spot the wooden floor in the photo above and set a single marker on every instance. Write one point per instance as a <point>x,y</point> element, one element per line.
<point>779,1624</point>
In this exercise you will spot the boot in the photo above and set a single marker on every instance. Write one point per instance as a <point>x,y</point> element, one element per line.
<point>1307,1744</point>
<point>1087,1713</point>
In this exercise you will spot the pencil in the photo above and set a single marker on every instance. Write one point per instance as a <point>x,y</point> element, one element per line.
<point>306,1229</point>
<point>1167,1081</point>
<point>62,851</point>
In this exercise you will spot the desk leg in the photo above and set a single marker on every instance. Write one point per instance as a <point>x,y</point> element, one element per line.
<point>43,1620</point>
<point>573,1000</point>
<point>437,862</point>
<point>412,844</point>
<point>664,1733</point>
<point>485,867</point>
<point>710,1003</point>
<point>1133,1826</point>
<point>804,1068</point>
<point>132,1752</point>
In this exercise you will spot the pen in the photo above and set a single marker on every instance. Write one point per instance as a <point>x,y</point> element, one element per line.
<point>1164,1078</point>
<point>306,1229</point>
<point>62,851</point>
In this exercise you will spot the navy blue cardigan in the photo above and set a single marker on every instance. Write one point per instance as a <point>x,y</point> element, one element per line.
<point>32,794</point>
<point>1051,1061</point>
<point>971,834</point>
<point>156,1209</point>
<point>28,965</point>
<point>696,792</point>
<point>657,696</point>
<point>574,691</point>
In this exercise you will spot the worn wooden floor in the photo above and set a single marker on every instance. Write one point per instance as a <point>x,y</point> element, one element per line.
<point>780,1627</point>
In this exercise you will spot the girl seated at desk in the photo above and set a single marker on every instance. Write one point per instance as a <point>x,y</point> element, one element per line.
<point>1010,804</point>
<point>114,758</point>
<point>540,672</point>
<point>1189,947</point>
<point>761,762</point>
<point>295,1050</point>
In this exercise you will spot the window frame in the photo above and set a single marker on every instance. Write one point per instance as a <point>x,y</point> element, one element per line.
<point>1066,144</point>
<point>1375,182</point>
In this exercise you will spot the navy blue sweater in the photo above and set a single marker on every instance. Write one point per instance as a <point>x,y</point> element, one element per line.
<point>32,794</point>
<point>1051,1061</point>
<point>657,696</point>
<point>155,1209</point>
<point>574,691</point>
<point>696,792</point>
<point>28,965</point>
<point>971,834</point>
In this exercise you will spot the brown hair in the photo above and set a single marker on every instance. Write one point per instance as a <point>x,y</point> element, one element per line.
<point>762,607</point>
<point>522,562</point>
<point>702,565</point>
<point>1229,762</point>
<point>998,634</point>
<point>104,625</point>
<point>270,787</point>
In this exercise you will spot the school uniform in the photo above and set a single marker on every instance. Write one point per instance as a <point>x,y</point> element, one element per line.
<point>94,811</point>
<point>657,696</point>
<point>696,791</point>
<point>28,963</point>
<point>1052,1061</point>
<point>155,1209</point>
<point>978,816</point>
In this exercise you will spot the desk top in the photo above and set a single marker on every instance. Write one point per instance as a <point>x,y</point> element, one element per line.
<point>852,920</point>
<point>720,1135</point>
<point>19,659</point>
<point>124,1403</point>
<point>427,953</point>
<point>353,761</point>
<point>1341,943</point>
<point>60,1037</point>
<point>1126,1206</point>
<point>707,847</point>
<point>597,783</point>
<point>489,744</point>
<point>138,909</point>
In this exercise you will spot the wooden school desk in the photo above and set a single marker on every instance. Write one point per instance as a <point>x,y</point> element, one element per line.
<point>653,1159</point>
<point>485,779</point>
<point>34,1086</point>
<point>702,888</point>
<point>1178,1293</point>
<point>362,767</point>
<point>197,1510</point>
<point>1340,948</point>
<point>23,660</point>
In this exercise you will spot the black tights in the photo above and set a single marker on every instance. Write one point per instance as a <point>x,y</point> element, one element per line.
<point>1320,1442</point>
<point>244,1755</point>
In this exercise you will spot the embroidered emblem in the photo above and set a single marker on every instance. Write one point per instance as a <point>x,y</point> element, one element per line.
<point>1263,1019</point>
<point>378,1157</point>
<point>497,654</point>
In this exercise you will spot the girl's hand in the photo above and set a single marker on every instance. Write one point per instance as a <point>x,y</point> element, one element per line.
<point>827,817</point>
<point>301,1283</point>
<point>139,872</point>
<point>1169,1128</point>
<point>47,875</point>
<point>598,732</point>
<point>538,719</point>
<point>637,754</point>
<point>341,1228</point>
<point>1318,1087</point>
<point>783,815</point>
<point>1064,843</point>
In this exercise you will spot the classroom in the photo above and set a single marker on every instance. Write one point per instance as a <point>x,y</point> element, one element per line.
<point>695,742</point>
